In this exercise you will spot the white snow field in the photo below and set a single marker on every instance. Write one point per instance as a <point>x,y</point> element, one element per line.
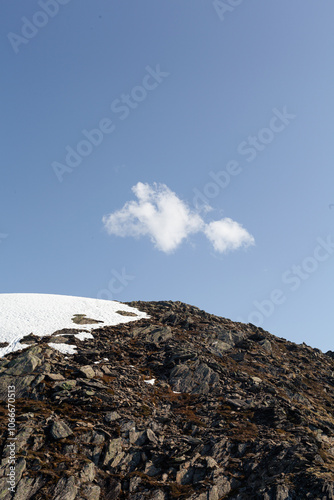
<point>44,314</point>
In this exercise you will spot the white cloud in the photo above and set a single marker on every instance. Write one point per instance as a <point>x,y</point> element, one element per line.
<point>158,213</point>
<point>226,234</point>
<point>167,220</point>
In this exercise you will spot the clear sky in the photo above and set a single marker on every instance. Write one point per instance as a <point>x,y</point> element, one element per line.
<point>122,122</point>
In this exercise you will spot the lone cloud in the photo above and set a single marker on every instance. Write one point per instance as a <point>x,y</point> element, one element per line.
<point>167,220</point>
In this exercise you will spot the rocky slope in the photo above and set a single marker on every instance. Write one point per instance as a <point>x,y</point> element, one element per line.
<point>181,405</point>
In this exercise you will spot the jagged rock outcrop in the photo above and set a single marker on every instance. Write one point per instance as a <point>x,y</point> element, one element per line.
<point>181,405</point>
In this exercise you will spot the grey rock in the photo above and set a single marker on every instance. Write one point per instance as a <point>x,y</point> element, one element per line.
<point>5,471</point>
<point>134,483</point>
<point>87,473</point>
<point>221,346</point>
<point>230,337</point>
<point>159,335</point>
<point>5,494</point>
<point>98,437</point>
<point>70,450</point>
<point>222,486</point>
<point>92,437</point>
<point>86,371</point>
<point>90,492</point>
<point>27,488</point>
<point>198,379</point>
<point>137,438</point>
<point>20,467</point>
<point>153,333</point>
<point>66,489</point>
<point>111,416</point>
<point>24,363</point>
<point>22,437</point>
<point>60,430</point>
<point>55,376</point>
<point>256,380</point>
<point>151,436</point>
<point>266,345</point>
<point>22,385</point>
<point>126,425</point>
<point>282,493</point>
<point>113,451</point>
<point>151,470</point>
<point>158,495</point>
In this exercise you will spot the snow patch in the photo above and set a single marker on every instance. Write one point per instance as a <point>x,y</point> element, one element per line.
<point>44,314</point>
<point>15,345</point>
<point>150,381</point>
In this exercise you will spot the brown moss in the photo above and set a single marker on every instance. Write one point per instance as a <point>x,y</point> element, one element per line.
<point>244,432</point>
<point>188,414</point>
<point>146,410</point>
<point>180,490</point>
<point>108,379</point>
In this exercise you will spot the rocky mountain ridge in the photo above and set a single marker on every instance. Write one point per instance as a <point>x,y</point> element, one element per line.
<point>181,405</point>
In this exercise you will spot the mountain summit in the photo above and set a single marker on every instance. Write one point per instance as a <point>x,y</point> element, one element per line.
<point>165,402</point>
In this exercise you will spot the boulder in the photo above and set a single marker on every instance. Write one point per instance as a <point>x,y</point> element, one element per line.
<point>60,430</point>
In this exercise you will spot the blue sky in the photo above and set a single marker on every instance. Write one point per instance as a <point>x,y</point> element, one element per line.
<point>183,92</point>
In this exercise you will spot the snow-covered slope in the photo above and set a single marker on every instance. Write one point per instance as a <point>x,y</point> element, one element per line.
<point>43,314</point>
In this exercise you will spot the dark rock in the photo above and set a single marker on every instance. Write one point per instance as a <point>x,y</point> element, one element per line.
<point>60,430</point>
<point>194,379</point>
<point>86,371</point>
<point>28,487</point>
<point>234,412</point>
<point>25,363</point>
<point>111,416</point>
<point>55,376</point>
<point>126,313</point>
<point>66,489</point>
<point>90,492</point>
